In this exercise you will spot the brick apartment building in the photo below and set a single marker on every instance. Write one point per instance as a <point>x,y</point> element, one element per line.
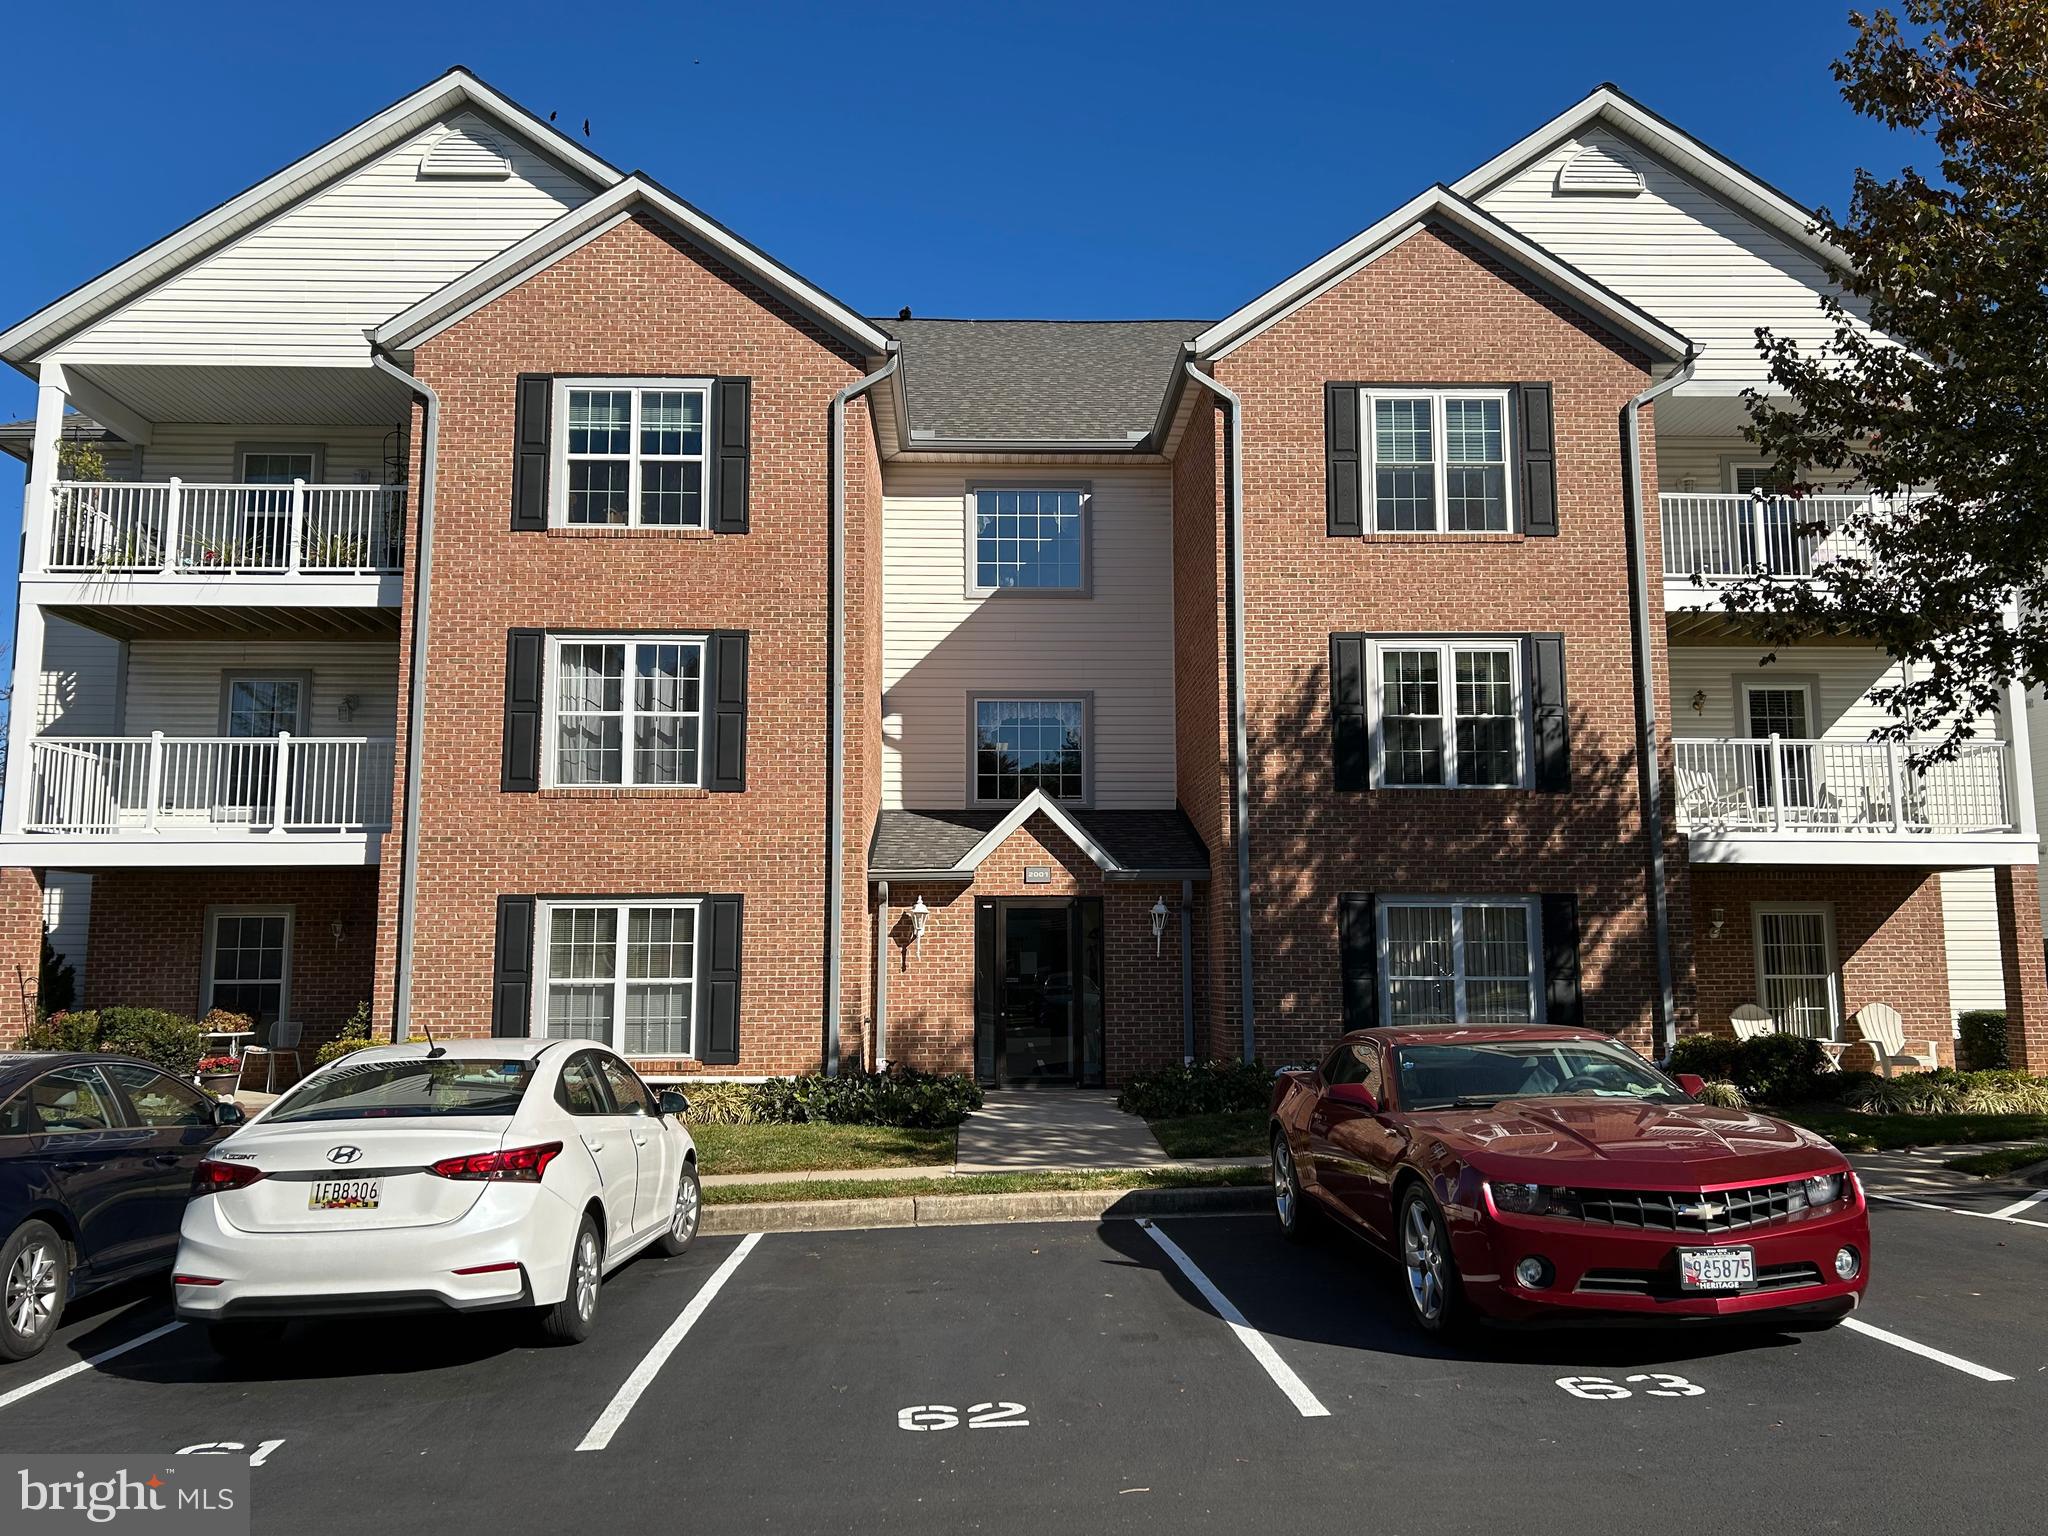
<point>546,613</point>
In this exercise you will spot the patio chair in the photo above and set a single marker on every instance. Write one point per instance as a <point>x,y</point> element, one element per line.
<point>280,1037</point>
<point>1708,801</point>
<point>1880,1027</point>
<point>1752,1022</point>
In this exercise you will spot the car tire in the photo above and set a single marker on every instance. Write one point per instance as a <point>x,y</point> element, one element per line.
<point>1429,1271</point>
<point>687,1216</point>
<point>570,1320</point>
<point>35,1281</point>
<point>245,1340</point>
<point>1291,1203</point>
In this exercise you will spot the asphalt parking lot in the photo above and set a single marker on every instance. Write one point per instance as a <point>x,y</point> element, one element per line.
<point>1196,1375</point>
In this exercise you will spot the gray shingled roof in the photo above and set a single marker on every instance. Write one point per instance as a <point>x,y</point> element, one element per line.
<point>924,841</point>
<point>16,436</point>
<point>1038,380</point>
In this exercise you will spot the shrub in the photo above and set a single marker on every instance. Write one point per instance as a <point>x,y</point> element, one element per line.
<point>354,1036</point>
<point>902,1097</point>
<point>721,1103</point>
<point>1708,1056</point>
<point>1982,1047</point>
<point>78,1031</point>
<point>1723,1095</point>
<point>57,981</point>
<point>1780,1069</point>
<point>168,1040</point>
<point>1206,1088</point>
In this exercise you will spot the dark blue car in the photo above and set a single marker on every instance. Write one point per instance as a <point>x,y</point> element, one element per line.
<point>96,1160</point>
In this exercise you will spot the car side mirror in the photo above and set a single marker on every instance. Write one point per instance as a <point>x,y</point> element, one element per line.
<point>672,1103</point>
<point>1693,1084</point>
<point>1355,1094</point>
<point>228,1112</point>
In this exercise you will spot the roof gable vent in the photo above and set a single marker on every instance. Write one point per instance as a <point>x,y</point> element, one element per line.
<point>465,153</point>
<point>1598,171</point>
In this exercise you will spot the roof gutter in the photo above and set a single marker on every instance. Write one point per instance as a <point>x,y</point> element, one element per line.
<point>1241,794</point>
<point>1649,770</point>
<point>416,694</point>
<point>835,708</point>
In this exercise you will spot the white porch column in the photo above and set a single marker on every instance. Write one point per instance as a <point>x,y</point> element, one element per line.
<point>51,400</point>
<point>2020,780</point>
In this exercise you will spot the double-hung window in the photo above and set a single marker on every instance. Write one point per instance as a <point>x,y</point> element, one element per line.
<point>1026,744</point>
<point>1438,460</point>
<point>626,710</point>
<point>1449,714</point>
<point>630,453</point>
<point>1458,961</point>
<point>1027,540</point>
<point>621,972</point>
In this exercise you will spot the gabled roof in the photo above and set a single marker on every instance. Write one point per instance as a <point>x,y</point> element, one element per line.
<point>1010,383</point>
<point>17,438</point>
<point>636,193</point>
<point>950,845</point>
<point>27,338</point>
<point>1610,107</point>
<point>1441,206</point>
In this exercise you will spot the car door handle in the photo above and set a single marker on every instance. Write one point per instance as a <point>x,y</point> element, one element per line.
<point>1318,1123</point>
<point>595,1144</point>
<point>69,1167</point>
<point>165,1159</point>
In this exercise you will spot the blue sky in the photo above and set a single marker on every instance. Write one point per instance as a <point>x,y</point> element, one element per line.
<point>1097,160</point>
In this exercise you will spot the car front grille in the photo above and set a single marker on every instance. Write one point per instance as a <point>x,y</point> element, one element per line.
<point>1662,1284</point>
<point>1725,1210</point>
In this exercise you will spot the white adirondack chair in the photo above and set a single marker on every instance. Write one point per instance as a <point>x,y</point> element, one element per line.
<point>1880,1027</point>
<point>1752,1022</point>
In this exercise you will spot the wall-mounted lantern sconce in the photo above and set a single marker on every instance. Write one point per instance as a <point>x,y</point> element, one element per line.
<point>920,918</point>
<point>1717,919</point>
<point>336,929</point>
<point>1158,922</point>
<point>1699,701</point>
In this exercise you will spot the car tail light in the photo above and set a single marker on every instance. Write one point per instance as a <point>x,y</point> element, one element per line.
<point>211,1178</point>
<point>195,1280</point>
<point>489,1269</point>
<point>522,1165</point>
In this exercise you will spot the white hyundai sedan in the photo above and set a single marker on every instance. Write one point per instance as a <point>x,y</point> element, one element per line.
<point>473,1175</point>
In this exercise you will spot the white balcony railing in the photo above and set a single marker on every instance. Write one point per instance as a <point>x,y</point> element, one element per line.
<point>1782,784</point>
<point>1725,535</point>
<point>178,528</point>
<point>143,785</point>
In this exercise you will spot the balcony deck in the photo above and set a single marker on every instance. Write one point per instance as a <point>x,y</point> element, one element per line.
<point>1711,540</point>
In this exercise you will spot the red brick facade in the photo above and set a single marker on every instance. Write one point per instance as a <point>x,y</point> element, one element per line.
<point>21,944</point>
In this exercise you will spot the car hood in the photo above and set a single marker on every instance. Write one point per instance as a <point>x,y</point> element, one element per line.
<point>1613,1144</point>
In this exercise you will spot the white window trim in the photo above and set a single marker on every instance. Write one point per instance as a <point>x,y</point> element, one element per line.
<point>551,746</point>
<point>1539,989</point>
<point>971,501</point>
<point>1439,449</point>
<point>537,1011</point>
<point>1758,910</point>
<point>1446,646</point>
<point>208,955</point>
<point>1780,684</point>
<point>1083,697</point>
<point>558,450</point>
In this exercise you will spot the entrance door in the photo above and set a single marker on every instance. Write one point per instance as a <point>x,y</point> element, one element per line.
<point>1038,991</point>
<point>1784,712</point>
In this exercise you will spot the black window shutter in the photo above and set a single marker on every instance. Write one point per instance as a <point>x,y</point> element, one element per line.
<point>512,971</point>
<point>519,773</point>
<point>1561,959</point>
<point>1550,720</point>
<point>727,771</point>
<point>718,981</point>
<point>1358,943</point>
<point>1536,455</point>
<point>1351,741</point>
<point>534,404</point>
<point>1344,464</point>
<point>732,424</point>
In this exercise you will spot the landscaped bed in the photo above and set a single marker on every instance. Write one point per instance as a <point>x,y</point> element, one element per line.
<point>2005,1160</point>
<point>1854,1131</point>
<point>815,1145</point>
<point>982,1184</point>
<point>1227,1133</point>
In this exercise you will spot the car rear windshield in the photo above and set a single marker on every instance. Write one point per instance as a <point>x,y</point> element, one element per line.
<point>1447,1076</point>
<point>391,1090</point>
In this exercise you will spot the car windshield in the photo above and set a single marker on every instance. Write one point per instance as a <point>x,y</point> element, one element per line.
<point>1447,1076</point>
<point>380,1090</point>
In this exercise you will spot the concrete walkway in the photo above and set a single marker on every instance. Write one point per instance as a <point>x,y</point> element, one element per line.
<point>1024,1128</point>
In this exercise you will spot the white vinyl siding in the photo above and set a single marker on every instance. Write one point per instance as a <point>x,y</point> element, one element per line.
<point>940,646</point>
<point>81,692</point>
<point>205,453</point>
<point>1707,270</point>
<point>174,686</point>
<point>1839,682</point>
<point>1969,925</point>
<point>67,912</point>
<point>300,289</point>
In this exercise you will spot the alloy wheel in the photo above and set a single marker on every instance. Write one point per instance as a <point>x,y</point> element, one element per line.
<point>31,1297</point>
<point>688,1202</point>
<point>586,1276</point>
<point>1284,1192</point>
<point>1422,1251</point>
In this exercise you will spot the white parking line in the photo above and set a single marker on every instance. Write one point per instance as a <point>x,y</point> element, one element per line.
<point>11,1398</point>
<point>1283,1374</point>
<point>1956,1210</point>
<point>1913,1347</point>
<point>651,1363</point>
<point>2020,1205</point>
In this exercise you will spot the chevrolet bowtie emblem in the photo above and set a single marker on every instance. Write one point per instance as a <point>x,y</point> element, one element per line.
<point>1705,1210</point>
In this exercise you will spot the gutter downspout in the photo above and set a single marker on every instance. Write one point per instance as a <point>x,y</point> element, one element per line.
<point>1187,972</point>
<point>835,707</point>
<point>881,975</point>
<point>1233,516</point>
<point>1649,775</point>
<point>416,695</point>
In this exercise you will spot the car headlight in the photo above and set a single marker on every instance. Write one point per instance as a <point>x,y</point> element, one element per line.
<point>1824,1189</point>
<point>1522,1199</point>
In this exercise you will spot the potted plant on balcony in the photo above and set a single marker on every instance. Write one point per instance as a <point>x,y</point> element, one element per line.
<point>218,1075</point>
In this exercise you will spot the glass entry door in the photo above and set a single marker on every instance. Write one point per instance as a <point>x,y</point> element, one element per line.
<point>1038,991</point>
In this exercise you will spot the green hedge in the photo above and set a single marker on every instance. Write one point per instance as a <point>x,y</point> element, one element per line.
<point>1206,1088</point>
<point>1982,1046</point>
<point>170,1040</point>
<point>902,1097</point>
<point>1772,1069</point>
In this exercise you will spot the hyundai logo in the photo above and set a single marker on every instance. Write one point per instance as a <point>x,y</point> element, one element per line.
<point>345,1155</point>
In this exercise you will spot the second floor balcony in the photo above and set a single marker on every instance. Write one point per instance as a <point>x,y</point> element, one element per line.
<point>180,529</point>
<point>1711,538</point>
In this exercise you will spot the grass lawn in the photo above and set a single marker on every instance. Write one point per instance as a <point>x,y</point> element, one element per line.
<point>802,1148</point>
<point>1991,1164</point>
<point>982,1184</point>
<point>1241,1134</point>
<point>1855,1132</point>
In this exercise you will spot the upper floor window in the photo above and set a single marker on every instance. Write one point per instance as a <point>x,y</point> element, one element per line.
<point>1028,540</point>
<point>1438,460</point>
<point>630,453</point>
<point>626,710</point>
<point>1026,744</point>
<point>1449,714</point>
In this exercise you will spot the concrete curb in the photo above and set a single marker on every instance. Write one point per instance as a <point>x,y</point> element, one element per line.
<point>981,1210</point>
<point>957,1170</point>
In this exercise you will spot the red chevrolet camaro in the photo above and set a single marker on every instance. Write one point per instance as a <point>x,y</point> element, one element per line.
<point>1527,1174</point>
